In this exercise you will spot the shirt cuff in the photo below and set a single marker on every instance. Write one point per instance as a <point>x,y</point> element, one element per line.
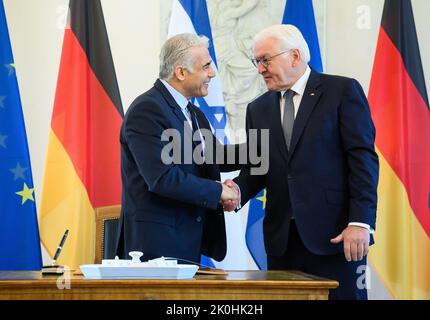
<point>239,205</point>
<point>363,225</point>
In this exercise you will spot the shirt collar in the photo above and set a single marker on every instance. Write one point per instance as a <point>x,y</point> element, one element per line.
<point>300,85</point>
<point>179,98</point>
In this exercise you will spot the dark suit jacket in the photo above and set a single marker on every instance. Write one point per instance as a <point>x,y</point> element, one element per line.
<point>167,209</point>
<point>329,176</point>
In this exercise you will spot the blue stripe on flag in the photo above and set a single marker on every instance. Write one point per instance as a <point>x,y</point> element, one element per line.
<point>211,113</point>
<point>198,13</point>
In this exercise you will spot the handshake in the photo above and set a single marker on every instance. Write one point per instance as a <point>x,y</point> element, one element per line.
<point>230,196</point>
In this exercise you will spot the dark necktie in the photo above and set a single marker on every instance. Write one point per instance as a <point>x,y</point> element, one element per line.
<point>193,118</point>
<point>288,119</point>
<point>197,138</point>
<point>194,124</point>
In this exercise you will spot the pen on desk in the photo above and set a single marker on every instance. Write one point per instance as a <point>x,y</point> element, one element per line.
<point>60,247</point>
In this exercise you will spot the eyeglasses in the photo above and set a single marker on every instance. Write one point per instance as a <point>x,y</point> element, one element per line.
<point>265,61</point>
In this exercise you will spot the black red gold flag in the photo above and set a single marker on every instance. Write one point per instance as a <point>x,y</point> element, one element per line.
<point>82,169</point>
<point>400,110</point>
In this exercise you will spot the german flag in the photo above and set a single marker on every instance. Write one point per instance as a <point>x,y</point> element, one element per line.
<point>82,169</point>
<point>400,110</point>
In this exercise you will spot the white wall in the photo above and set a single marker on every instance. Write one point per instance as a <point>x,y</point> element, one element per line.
<point>135,28</point>
<point>350,45</point>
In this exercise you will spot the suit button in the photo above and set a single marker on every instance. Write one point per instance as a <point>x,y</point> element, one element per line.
<point>199,219</point>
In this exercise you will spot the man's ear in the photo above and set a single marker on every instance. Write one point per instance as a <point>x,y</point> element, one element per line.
<point>180,73</point>
<point>297,57</point>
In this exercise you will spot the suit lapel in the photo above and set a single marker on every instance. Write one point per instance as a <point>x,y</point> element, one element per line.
<point>176,109</point>
<point>275,123</point>
<point>170,101</point>
<point>309,100</point>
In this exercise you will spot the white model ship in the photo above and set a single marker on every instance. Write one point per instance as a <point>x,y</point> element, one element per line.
<point>160,268</point>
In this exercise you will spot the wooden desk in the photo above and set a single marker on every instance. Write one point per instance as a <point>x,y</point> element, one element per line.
<point>237,285</point>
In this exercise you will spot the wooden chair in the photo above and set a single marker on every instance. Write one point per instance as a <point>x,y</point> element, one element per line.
<point>106,218</point>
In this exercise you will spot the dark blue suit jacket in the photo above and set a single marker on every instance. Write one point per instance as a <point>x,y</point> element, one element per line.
<point>329,176</point>
<point>167,209</point>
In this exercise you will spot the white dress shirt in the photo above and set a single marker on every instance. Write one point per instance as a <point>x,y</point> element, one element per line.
<point>299,88</point>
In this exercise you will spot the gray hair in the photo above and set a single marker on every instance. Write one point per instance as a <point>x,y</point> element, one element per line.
<point>289,35</point>
<point>176,51</point>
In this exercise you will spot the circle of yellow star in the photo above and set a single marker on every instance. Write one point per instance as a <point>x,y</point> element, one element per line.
<point>263,199</point>
<point>10,67</point>
<point>26,193</point>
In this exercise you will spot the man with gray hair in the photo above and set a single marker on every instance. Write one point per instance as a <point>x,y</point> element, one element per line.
<point>172,209</point>
<point>323,169</point>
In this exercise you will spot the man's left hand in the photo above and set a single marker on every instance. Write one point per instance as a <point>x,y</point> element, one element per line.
<point>355,242</point>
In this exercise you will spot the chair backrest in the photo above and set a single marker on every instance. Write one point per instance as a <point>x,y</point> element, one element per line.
<point>106,232</point>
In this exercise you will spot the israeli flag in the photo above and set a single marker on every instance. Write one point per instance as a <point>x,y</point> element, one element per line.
<point>191,16</point>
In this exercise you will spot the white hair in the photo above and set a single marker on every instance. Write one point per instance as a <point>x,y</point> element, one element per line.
<point>176,51</point>
<point>289,36</point>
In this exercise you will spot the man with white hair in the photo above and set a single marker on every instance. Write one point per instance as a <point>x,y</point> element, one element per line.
<point>170,205</point>
<point>323,169</point>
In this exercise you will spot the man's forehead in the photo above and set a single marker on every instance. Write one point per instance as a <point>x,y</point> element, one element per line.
<point>201,55</point>
<point>266,46</point>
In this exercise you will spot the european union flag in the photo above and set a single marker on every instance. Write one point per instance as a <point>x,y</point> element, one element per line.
<point>254,230</point>
<point>19,235</point>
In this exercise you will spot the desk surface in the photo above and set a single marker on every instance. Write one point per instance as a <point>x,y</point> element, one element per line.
<point>242,285</point>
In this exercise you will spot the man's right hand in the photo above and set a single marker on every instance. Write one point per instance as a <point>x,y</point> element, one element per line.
<point>231,205</point>
<point>229,197</point>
